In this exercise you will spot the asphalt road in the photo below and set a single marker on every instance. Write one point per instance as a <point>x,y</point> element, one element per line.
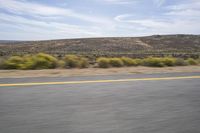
<point>154,106</point>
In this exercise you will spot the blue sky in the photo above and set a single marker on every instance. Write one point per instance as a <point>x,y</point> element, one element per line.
<point>56,19</point>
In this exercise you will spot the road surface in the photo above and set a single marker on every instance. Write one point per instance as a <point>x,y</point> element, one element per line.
<point>140,103</point>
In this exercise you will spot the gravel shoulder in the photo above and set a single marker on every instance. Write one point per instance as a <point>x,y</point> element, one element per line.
<point>94,71</point>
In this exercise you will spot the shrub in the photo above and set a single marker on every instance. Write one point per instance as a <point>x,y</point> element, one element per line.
<point>103,62</point>
<point>138,61</point>
<point>14,62</point>
<point>180,62</point>
<point>128,61</point>
<point>27,62</point>
<point>168,61</point>
<point>61,64</point>
<point>191,61</point>
<point>73,61</point>
<point>83,62</point>
<point>2,63</point>
<point>116,62</point>
<point>43,61</point>
<point>154,62</point>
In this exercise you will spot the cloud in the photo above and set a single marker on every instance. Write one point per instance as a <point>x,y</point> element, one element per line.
<point>23,19</point>
<point>39,10</point>
<point>179,18</point>
<point>189,10</point>
<point>159,2</point>
<point>164,24</point>
<point>147,23</point>
<point>119,1</point>
<point>46,30</point>
<point>47,22</point>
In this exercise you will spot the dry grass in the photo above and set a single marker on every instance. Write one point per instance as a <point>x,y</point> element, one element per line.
<point>93,71</point>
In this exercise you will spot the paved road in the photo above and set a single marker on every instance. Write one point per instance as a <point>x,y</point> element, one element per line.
<point>156,106</point>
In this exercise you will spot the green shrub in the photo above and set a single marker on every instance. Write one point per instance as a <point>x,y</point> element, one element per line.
<point>27,62</point>
<point>103,62</point>
<point>128,61</point>
<point>168,61</point>
<point>14,62</point>
<point>2,63</point>
<point>154,62</point>
<point>180,62</point>
<point>73,61</point>
<point>83,62</point>
<point>38,61</point>
<point>43,61</point>
<point>61,64</point>
<point>191,61</point>
<point>138,61</point>
<point>116,62</point>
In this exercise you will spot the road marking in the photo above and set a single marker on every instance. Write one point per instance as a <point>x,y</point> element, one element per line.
<point>99,81</point>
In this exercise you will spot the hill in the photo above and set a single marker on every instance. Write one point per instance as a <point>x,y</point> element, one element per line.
<point>156,45</point>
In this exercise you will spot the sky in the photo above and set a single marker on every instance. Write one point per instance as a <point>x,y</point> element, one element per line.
<point>60,19</point>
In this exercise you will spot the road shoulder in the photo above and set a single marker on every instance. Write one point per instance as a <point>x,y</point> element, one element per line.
<point>94,71</point>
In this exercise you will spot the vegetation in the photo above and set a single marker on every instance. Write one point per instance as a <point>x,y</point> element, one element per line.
<point>103,62</point>
<point>46,61</point>
<point>184,46</point>
<point>181,62</point>
<point>129,61</point>
<point>116,62</point>
<point>150,61</point>
<point>191,61</point>
<point>38,61</point>
<point>73,61</point>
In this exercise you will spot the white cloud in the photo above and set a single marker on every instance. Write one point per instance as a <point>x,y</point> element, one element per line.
<point>43,22</point>
<point>190,10</point>
<point>159,2</point>
<point>162,25</point>
<point>39,10</point>
<point>46,30</point>
<point>119,1</point>
<point>180,18</point>
<point>28,20</point>
<point>148,23</point>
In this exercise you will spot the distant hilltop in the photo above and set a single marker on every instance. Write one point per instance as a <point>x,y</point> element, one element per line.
<point>156,45</point>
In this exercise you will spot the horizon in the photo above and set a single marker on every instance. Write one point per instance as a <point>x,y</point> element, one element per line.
<point>25,20</point>
<point>103,37</point>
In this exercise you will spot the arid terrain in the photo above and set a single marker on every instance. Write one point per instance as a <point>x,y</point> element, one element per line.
<point>157,45</point>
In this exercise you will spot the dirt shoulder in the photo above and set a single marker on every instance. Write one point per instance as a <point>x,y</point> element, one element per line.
<point>93,71</point>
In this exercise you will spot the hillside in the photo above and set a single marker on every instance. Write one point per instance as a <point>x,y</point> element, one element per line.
<point>158,45</point>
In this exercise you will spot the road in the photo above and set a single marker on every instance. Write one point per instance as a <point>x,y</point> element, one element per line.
<point>142,103</point>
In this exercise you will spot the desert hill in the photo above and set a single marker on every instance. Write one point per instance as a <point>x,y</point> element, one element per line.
<point>176,45</point>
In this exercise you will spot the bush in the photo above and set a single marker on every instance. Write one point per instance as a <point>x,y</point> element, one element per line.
<point>73,61</point>
<point>191,61</point>
<point>180,62</point>
<point>138,61</point>
<point>103,62</point>
<point>61,64</point>
<point>168,61</point>
<point>2,63</point>
<point>14,62</point>
<point>129,62</point>
<point>116,62</point>
<point>39,61</point>
<point>160,62</point>
<point>154,62</point>
<point>43,61</point>
<point>83,62</point>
